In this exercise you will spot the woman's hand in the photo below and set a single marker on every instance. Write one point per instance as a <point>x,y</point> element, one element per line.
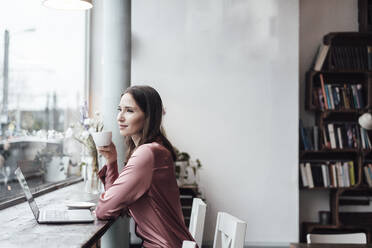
<point>109,152</point>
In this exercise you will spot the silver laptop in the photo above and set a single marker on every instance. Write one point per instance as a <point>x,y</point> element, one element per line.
<point>52,215</point>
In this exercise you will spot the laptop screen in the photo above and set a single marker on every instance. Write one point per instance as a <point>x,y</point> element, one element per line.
<point>26,189</point>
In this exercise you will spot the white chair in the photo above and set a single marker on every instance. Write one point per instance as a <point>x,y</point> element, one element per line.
<point>230,231</point>
<point>189,244</point>
<point>349,238</point>
<point>197,218</point>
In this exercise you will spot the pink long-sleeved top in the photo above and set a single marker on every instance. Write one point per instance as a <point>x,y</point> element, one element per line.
<point>147,188</point>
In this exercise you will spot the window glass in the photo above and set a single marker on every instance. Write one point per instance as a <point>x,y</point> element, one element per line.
<point>42,62</point>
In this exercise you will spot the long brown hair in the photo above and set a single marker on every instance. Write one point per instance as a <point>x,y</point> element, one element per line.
<point>149,101</point>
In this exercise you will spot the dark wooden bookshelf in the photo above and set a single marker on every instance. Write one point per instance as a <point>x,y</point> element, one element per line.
<point>346,65</point>
<point>365,15</point>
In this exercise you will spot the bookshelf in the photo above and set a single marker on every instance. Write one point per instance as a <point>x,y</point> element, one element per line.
<point>365,15</point>
<point>337,152</point>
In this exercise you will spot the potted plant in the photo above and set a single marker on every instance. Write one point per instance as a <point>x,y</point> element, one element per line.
<point>54,164</point>
<point>186,169</point>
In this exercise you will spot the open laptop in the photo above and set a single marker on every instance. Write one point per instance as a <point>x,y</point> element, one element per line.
<point>52,215</point>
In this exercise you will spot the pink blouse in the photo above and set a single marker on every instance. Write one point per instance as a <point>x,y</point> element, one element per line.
<point>147,188</point>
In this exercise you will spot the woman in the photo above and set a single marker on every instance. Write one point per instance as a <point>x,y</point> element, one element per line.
<point>147,186</point>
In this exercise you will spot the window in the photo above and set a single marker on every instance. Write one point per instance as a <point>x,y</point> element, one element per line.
<point>42,77</point>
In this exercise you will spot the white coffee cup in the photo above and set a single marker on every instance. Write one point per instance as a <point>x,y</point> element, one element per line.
<point>102,138</point>
<point>365,121</point>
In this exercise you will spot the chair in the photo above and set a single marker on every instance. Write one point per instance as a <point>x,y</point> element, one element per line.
<point>196,226</point>
<point>230,231</point>
<point>349,238</point>
<point>189,244</point>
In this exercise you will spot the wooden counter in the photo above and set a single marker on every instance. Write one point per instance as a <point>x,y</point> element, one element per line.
<point>20,229</point>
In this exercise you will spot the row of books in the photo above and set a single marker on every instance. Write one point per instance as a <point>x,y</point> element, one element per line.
<point>345,135</point>
<point>344,58</point>
<point>351,58</point>
<point>368,174</point>
<point>337,96</point>
<point>335,136</point>
<point>328,175</point>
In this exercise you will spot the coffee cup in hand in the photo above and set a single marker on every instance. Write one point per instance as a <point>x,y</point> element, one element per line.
<point>102,138</point>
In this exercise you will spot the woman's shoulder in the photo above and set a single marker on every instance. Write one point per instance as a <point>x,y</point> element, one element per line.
<point>154,148</point>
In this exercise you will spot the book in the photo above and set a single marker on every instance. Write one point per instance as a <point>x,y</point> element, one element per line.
<point>329,103</point>
<point>345,170</point>
<point>321,99</point>
<point>332,136</point>
<point>324,174</point>
<point>309,175</point>
<point>369,54</point>
<point>327,175</point>
<point>333,173</point>
<point>316,137</point>
<point>304,137</point>
<point>367,176</point>
<point>351,173</point>
<point>323,90</point>
<point>331,96</point>
<point>309,137</point>
<point>340,137</point>
<point>363,138</point>
<point>340,175</point>
<point>316,171</point>
<point>368,139</point>
<point>359,90</point>
<point>370,171</point>
<point>303,175</point>
<point>345,97</point>
<point>321,57</point>
<point>355,96</point>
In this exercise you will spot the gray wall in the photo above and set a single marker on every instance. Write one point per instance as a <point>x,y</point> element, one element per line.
<point>227,71</point>
<point>317,18</point>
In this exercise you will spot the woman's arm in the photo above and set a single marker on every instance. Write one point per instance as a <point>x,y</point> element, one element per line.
<point>108,174</point>
<point>131,184</point>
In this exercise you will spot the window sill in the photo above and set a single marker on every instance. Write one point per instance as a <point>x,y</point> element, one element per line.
<point>43,189</point>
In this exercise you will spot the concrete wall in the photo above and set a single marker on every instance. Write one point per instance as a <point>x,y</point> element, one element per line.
<point>227,71</point>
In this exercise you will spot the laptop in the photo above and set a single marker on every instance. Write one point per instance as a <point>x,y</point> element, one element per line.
<point>55,216</point>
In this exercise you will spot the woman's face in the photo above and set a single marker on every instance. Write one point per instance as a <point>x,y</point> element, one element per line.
<point>130,118</point>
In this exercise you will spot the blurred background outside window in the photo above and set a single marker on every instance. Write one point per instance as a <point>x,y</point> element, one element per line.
<point>42,89</point>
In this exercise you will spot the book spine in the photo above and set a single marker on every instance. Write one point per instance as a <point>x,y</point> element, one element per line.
<point>355,96</point>
<point>329,96</point>
<point>367,176</point>
<point>332,135</point>
<point>303,175</point>
<point>309,175</point>
<point>334,175</point>
<point>351,173</point>
<point>323,90</point>
<point>368,139</point>
<point>369,53</point>
<point>321,99</point>
<point>303,136</point>
<point>345,96</point>
<point>316,137</point>
<point>340,137</point>
<point>324,175</point>
<point>328,177</point>
<point>346,178</point>
<point>359,90</point>
<point>363,138</point>
<point>340,175</point>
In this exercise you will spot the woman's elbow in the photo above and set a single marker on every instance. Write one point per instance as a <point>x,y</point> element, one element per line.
<point>104,214</point>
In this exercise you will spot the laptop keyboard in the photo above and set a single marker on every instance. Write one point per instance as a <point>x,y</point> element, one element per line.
<point>56,215</point>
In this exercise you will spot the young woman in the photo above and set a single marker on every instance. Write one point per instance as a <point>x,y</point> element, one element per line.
<point>146,187</point>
